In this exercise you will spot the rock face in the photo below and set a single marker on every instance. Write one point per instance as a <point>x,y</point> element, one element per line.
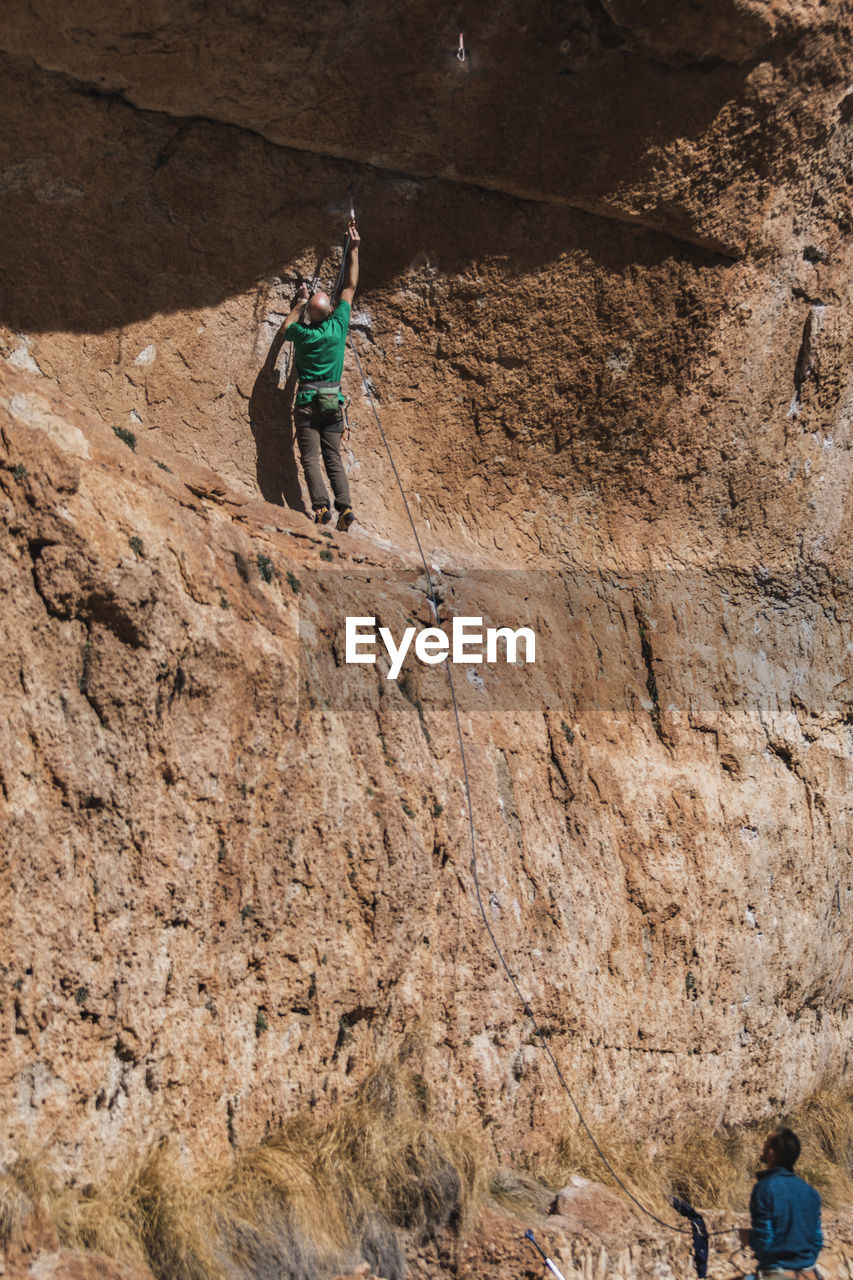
<point>605,309</point>
<point>673,121</point>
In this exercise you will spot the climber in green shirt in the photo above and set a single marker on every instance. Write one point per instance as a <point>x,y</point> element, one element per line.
<point>319,336</point>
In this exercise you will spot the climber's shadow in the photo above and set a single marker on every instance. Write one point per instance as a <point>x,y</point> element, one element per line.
<point>271,420</point>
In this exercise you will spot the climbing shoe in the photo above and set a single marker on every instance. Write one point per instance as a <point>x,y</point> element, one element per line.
<point>322,515</point>
<point>345,519</point>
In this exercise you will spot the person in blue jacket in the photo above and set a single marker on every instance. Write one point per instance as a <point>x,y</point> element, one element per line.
<point>785,1235</point>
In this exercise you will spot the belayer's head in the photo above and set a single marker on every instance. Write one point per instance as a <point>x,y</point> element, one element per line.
<point>319,307</point>
<point>781,1149</point>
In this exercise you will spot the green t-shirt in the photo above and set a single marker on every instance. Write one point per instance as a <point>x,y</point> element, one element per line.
<point>319,349</point>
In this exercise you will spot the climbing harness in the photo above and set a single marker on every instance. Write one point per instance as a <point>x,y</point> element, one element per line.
<point>325,397</point>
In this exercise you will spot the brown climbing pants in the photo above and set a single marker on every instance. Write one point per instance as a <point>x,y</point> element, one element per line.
<point>317,436</point>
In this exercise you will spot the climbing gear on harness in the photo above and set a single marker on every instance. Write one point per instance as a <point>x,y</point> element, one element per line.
<point>528,1235</point>
<point>326,400</point>
<point>345,519</point>
<point>322,515</point>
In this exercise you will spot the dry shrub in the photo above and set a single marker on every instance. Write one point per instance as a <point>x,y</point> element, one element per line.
<point>378,1165</point>
<point>418,1175</point>
<point>716,1170</point>
<point>712,1169</point>
<point>629,1157</point>
<point>825,1126</point>
<point>30,1184</point>
<point>103,1220</point>
<point>157,1216</point>
<point>310,1202</point>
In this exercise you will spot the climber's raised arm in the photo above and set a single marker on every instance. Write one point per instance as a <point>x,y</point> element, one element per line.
<point>351,281</point>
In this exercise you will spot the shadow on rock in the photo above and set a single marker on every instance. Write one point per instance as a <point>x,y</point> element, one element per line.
<point>271,420</point>
<point>125,213</point>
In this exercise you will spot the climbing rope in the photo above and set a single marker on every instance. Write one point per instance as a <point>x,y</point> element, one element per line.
<point>347,242</point>
<point>528,1012</point>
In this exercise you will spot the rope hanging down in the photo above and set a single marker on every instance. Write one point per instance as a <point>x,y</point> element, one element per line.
<point>528,1012</point>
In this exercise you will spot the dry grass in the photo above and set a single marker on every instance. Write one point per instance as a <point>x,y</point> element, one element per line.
<point>320,1195</point>
<point>574,1154</point>
<point>311,1201</point>
<point>825,1127</point>
<point>380,1165</point>
<point>156,1217</point>
<point>29,1185</point>
<point>716,1170</point>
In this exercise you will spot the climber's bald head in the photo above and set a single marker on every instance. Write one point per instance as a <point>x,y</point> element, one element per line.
<point>319,307</point>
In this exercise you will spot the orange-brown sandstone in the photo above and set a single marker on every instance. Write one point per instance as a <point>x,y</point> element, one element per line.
<point>605,305</point>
